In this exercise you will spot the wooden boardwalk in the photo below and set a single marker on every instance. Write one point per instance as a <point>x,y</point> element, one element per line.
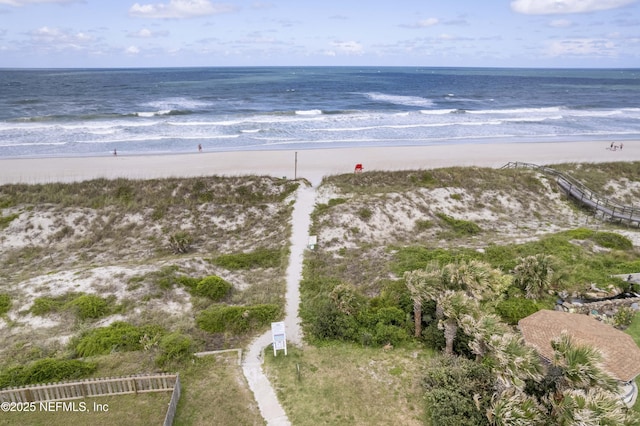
<point>604,207</point>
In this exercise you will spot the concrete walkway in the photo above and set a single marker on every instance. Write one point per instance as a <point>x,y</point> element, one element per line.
<point>265,396</point>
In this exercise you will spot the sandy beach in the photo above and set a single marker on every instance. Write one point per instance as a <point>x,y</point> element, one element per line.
<point>311,164</point>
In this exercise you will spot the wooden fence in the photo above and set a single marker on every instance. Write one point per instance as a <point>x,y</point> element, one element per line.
<point>64,391</point>
<point>173,404</point>
<point>604,206</point>
<point>91,388</point>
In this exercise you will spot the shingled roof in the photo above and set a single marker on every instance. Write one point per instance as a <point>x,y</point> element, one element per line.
<point>621,355</point>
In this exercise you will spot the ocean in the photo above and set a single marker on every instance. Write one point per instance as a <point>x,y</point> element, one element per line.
<point>91,112</point>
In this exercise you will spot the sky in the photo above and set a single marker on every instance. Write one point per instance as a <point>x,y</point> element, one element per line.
<point>474,33</point>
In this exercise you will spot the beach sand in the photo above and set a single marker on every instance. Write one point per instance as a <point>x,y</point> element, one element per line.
<point>311,164</point>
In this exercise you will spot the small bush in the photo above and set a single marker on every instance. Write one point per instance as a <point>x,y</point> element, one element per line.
<point>5,303</point>
<point>119,336</point>
<point>174,347</point>
<point>365,213</point>
<point>180,242</point>
<point>579,233</point>
<point>624,317</point>
<point>259,258</point>
<point>45,304</point>
<point>6,220</point>
<point>88,306</point>
<point>459,226</point>
<point>237,319</point>
<point>46,370</point>
<point>423,225</point>
<point>213,287</point>
<point>451,384</point>
<point>513,310</point>
<point>612,240</point>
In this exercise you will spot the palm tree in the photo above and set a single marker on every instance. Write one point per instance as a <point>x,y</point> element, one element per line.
<point>454,305</point>
<point>478,279</point>
<point>515,408</point>
<point>580,366</point>
<point>513,362</point>
<point>423,284</point>
<point>534,275</point>
<point>594,406</point>
<point>480,330</point>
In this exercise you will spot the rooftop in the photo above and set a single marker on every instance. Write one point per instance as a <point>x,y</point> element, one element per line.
<point>620,354</point>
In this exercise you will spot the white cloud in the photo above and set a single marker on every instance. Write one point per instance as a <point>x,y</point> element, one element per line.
<point>132,50</point>
<point>19,3</point>
<point>560,23</point>
<point>585,47</point>
<point>551,7</point>
<point>147,33</point>
<point>424,23</point>
<point>179,9</point>
<point>346,47</point>
<point>58,36</point>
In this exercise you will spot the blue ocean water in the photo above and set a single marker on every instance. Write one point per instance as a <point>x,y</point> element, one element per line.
<point>49,113</point>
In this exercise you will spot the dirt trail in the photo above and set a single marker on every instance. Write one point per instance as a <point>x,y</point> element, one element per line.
<point>264,393</point>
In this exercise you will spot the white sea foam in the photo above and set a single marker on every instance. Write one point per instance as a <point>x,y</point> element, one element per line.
<point>517,110</point>
<point>399,99</point>
<point>309,112</point>
<point>436,111</point>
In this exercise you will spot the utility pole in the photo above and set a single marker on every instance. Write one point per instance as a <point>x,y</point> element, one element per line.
<point>295,167</point>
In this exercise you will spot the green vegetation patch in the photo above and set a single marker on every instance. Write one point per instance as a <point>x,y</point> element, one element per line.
<point>213,287</point>
<point>6,220</point>
<point>45,370</point>
<point>119,336</point>
<point>84,306</point>
<point>513,310</point>
<point>5,303</point>
<point>460,227</point>
<point>259,258</point>
<point>237,319</point>
<point>457,392</point>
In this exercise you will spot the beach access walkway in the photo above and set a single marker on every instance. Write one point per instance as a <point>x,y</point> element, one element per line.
<point>265,396</point>
<point>603,207</point>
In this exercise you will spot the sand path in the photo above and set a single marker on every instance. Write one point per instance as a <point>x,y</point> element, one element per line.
<point>264,393</point>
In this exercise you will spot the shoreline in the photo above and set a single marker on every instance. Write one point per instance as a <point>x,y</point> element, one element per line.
<point>312,164</point>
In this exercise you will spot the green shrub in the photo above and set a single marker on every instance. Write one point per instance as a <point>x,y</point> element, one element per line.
<point>213,287</point>
<point>623,317</point>
<point>259,258</point>
<point>612,240</point>
<point>44,305</point>
<point>187,281</point>
<point>174,347</point>
<point>579,233</point>
<point>88,306</point>
<point>6,220</point>
<point>119,336</point>
<point>423,225</point>
<point>5,303</point>
<point>451,383</point>
<point>459,226</point>
<point>513,310</point>
<point>365,213</point>
<point>46,370</point>
<point>237,319</point>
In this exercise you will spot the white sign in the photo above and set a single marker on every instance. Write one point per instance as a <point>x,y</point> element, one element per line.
<point>279,337</point>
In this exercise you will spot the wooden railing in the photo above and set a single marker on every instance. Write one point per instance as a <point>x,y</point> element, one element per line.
<point>608,208</point>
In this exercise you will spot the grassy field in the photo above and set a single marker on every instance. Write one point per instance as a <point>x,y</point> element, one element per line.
<point>346,384</point>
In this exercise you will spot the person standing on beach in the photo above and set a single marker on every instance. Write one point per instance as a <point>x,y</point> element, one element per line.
<point>199,147</point>
<point>115,153</point>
